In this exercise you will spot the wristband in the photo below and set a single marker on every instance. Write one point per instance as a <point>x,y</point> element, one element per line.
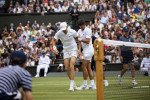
<point>54,47</point>
<point>79,39</point>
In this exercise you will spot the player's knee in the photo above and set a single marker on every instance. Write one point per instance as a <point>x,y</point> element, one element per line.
<point>125,69</point>
<point>66,68</point>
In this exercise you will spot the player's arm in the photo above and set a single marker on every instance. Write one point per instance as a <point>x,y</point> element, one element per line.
<point>79,51</point>
<point>28,95</point>
<point>54,46</point>
<point>53,43</point>
<point>86,40</point>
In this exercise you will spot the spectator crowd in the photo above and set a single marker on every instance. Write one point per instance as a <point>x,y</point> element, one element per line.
<point>110,18</point>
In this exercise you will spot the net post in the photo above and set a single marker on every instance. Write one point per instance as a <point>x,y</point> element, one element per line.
<point>99,57</point>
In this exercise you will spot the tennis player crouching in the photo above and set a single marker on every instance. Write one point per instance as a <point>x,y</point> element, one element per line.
<point>14,77</point>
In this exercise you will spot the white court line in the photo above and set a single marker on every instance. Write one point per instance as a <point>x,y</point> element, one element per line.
<point>48,92</point>
<point>49,84</point>
<point>89,92</point>
<point>46,82</point>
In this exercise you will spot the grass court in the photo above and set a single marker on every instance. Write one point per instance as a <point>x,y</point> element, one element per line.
<point>55,87</point>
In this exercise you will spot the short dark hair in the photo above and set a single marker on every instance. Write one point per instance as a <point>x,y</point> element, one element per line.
<point>18,58</point>
<point>81,22</point>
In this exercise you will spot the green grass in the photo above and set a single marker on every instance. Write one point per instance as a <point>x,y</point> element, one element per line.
<point>57,89</point>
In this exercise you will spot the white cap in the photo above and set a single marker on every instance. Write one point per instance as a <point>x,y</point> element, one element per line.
<point>63,26</point>
<point>60,64</point>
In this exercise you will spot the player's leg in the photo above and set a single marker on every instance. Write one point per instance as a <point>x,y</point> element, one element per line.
<point>133,74</point>
<point>72,64</point>
<point>132,70</point>
<point>72,72</point>
<point>91,76</point>
<point>84,86</point>
<point>130,60</point>
<point>72,55</point>
<point>39,67</point>
<point>125,66</point>
<point>67,68</point>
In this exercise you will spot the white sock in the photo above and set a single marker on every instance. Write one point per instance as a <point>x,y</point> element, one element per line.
<point>105,81</point>
<point>85,82</point>
<point>71,82</point>
<point>92,82</point>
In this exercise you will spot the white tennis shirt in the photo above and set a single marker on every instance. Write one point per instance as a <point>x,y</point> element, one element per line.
<point>68,39</point>
<point>86,33</point>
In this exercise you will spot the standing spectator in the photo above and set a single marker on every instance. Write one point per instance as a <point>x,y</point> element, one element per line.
<point>74,14</point>
<point>126,56</point>
<point>44,62</point>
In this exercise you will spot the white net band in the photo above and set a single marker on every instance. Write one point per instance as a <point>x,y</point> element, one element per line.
<point>121,43</point>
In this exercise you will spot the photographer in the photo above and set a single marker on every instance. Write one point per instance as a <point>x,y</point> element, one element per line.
<point>60,68</point>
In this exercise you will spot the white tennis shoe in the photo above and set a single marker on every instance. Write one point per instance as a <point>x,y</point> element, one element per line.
<point>83,87</point>
<point>71,88</point>
<point>92,87</point>
<point>134,82</point>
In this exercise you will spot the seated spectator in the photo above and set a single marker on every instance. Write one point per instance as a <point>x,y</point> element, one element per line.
<point>16,8</point>
<point>60,68</point>
<point>2,49</point>
<point>33,39</point>
<point>44,63</point>
<point>104,19</point>
<point>145,64</point>
<point>65,7</point>
<point>57,8</point>
<point>30,62</point>
<point>5,54</point>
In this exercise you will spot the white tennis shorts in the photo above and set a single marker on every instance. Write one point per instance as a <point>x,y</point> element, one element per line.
<point>70,53</point>
<point>88,54</point>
